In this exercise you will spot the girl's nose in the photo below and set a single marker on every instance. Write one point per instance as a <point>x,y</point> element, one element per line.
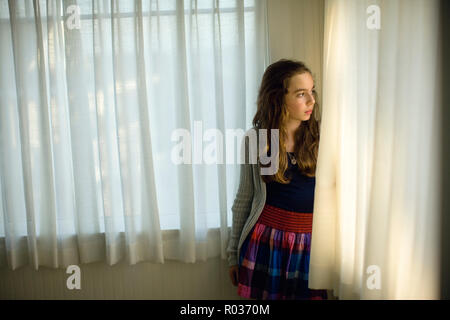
<point>311,100</point>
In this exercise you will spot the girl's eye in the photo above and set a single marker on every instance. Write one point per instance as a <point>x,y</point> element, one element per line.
<point>302,94</point>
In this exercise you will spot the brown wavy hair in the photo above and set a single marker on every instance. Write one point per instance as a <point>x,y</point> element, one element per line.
<point>272,114</point>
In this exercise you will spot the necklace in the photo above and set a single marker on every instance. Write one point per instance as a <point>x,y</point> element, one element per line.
<point>293,161</point>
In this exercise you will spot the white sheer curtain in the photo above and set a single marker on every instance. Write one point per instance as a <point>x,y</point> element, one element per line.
<point>86,117</point>
<point>376,208</point>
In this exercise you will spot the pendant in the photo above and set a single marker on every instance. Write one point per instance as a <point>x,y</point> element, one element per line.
<point>293,161</point>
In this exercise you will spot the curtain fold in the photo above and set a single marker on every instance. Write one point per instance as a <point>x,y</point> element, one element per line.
<point>376,214</point>
<point>91,95</point>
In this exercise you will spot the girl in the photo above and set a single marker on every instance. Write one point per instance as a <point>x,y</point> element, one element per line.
<point>269,247</point>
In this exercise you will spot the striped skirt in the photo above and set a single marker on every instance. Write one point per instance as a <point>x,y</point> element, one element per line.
<point>274,258</point>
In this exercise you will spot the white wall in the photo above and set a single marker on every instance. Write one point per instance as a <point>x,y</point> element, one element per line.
<point>296,32</point>
<point>168,281</point>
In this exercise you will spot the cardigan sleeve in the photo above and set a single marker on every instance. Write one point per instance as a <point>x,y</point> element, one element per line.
<point>241,208</point>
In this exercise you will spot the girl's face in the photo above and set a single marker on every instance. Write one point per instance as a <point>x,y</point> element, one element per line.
<point>299,99</point>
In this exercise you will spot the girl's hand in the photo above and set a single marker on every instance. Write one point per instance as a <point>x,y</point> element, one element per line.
<point>234,274</point>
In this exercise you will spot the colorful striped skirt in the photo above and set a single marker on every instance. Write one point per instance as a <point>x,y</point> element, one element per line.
<point>274,258</point>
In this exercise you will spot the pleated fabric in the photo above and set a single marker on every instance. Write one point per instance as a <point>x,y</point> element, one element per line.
<point>274,258</point>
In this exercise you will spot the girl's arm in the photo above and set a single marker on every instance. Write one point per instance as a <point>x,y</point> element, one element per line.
<point>241,208</point>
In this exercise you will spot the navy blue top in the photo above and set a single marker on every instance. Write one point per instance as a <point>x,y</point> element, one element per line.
<point>298,195</point>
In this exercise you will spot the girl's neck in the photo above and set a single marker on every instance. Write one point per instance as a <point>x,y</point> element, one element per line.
<point>291,127</point>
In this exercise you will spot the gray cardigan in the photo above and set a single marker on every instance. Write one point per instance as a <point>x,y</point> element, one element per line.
<point>247,207</point>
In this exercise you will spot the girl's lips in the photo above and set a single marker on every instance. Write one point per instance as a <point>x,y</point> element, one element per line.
<point>309,112</point>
